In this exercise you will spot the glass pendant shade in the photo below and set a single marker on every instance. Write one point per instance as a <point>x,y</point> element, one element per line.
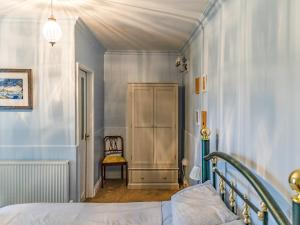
<point>196,173</point>
<point>52,31</point>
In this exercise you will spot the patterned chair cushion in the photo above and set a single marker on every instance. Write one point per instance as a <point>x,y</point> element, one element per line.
<point>114,159</point>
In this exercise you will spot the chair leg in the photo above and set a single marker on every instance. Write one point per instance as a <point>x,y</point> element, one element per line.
<point>122,172</point>
<point>126,167</point>
<point>102,174</point>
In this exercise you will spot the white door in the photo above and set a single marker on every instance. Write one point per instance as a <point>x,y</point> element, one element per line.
<point>82,132</point>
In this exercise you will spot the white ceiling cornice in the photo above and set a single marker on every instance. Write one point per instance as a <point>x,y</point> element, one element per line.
<point>212,5</point>
<point>140,52</point>
<point>161,25</point>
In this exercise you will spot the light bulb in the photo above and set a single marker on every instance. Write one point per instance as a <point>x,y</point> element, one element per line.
<point>52,31</point>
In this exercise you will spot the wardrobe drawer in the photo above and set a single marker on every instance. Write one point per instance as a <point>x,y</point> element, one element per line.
<point>154,176</point>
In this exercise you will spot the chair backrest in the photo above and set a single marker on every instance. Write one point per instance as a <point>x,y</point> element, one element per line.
<point>113,145</point>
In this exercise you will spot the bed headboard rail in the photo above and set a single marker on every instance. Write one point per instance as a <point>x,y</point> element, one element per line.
<point>268,201</point>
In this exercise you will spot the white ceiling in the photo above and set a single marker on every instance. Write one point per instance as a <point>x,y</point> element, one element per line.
<point>122,24</point>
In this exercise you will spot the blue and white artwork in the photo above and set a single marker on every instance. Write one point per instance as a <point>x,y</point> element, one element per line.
<point>11,88</point>
<point>15,89</point>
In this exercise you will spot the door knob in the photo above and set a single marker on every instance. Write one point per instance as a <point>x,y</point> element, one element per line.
<point>87,136</point>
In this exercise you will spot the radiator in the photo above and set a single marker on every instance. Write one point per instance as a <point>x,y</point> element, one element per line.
<point>33,181</point>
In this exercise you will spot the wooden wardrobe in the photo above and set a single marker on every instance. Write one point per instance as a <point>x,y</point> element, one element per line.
<point>152,137</point>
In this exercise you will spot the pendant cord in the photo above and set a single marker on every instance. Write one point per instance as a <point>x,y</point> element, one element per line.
<point>51,8</point>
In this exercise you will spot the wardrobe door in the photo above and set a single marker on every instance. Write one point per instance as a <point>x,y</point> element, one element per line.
<point>142,122</point>
<point>165,126</point>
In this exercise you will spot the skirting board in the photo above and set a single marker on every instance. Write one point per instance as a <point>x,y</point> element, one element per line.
<point>97,187</point>
<point>166,186</point>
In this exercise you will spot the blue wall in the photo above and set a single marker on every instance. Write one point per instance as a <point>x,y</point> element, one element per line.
<point>123,67</point>
<point>90,53</point>
<point>250,51</point>
<point>48,131</point>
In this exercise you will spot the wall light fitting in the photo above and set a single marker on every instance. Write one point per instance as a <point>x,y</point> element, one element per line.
<point>181,64</point>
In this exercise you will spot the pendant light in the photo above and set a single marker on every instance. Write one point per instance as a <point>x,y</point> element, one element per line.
<point>52,31</point>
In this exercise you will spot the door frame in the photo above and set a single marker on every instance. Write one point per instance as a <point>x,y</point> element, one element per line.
<point>89,186</point>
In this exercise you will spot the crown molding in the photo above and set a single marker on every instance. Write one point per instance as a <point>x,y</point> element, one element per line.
<point>211,6</point>
<point>83,29</point>
<point>140,52</point>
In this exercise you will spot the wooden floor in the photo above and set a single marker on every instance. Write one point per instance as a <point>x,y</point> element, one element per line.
<point>116,191</point>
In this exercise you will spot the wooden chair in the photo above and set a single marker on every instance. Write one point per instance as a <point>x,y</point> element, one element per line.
<point>113,156</point>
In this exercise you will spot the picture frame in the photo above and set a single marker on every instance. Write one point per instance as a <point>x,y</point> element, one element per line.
<point>204,119</point>
<point>197,85</point>
<point>15,89</point>
<point>204,83</point>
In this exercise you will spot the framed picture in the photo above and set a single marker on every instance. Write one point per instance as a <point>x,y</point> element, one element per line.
<point>15,89</point>
<point>204,118</point>
<point>197,85</point>
<point>204,83</point>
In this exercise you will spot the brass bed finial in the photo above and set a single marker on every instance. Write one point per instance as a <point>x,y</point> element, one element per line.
<point>262,213</point>
<point>205,133</point>
<point>222,186</point>
<point>294,181</point>
<point>232,197</point>
<point>214,162</point>
<point>246,212</point>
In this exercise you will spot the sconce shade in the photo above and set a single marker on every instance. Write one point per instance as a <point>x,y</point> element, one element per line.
<point>196,173</point>
<point>52,31</point>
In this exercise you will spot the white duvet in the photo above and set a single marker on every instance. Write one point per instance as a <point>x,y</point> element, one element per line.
<point>149,213</point>
<point>196,205</point>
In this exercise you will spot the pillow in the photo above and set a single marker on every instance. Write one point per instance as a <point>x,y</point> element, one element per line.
<point>200,205</point>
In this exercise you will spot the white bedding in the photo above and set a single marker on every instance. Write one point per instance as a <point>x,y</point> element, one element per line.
<point>167,213</point>
<point>200,205</point>
<point>148,213</point>
<point>196,205</point>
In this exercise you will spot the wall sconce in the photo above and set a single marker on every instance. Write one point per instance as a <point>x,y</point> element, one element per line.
<point>181,64</point>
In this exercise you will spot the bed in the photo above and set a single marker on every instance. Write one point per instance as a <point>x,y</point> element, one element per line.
<point>200,204</point>
<point>183,207</point>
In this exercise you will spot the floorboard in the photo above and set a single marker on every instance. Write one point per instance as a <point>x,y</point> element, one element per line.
<point>116,191</point>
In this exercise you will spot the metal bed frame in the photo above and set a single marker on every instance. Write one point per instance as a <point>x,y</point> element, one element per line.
<point>267,205</point>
